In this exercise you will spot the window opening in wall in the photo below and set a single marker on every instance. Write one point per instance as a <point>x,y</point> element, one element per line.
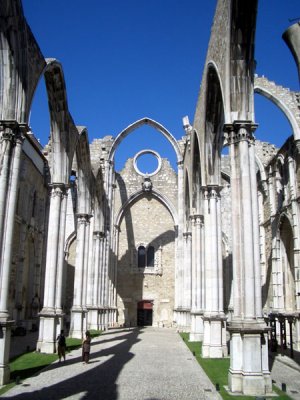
<point>141,257</point>
<point>150,257</point>
<point>146,257</point>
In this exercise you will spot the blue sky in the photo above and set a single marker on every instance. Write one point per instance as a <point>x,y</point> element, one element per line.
<point>127,59</point>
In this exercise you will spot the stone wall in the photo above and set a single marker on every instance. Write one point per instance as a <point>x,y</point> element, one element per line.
<point>146,222</point>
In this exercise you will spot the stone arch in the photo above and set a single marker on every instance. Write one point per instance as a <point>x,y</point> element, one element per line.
<point>21,63</point>
<point>84,172</point>
<point>214,122</point>
<point>64,134</point>
<point>156,194</point>
<point>187,200</point>
<point>286,100</point>
<point>137,124</point>
<point>196,173</point>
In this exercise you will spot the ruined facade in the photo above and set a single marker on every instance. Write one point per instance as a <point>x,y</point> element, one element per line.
<point>211,248</point>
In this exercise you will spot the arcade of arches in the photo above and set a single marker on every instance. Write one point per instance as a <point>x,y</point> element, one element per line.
<point>211,248</point>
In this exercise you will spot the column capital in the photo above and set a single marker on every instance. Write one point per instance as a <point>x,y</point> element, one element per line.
<point>83,218</point>
<point>211,191</point>
<point>197,219</point>
<point>239,131</point>
<point>99,234</point>
<point>13,131</point>
<point>58,189</point>
<point>297,146</point>
<point>186,235</point>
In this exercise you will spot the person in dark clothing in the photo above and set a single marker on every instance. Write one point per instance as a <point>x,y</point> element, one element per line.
<point>61,346</point>
<point>86,347</point>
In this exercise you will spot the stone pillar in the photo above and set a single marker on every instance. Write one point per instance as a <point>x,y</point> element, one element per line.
<point>96,282</point>
<point>249,372</point>
<point>214,334</point>
<point>90,305</point>
<point>196,333</point>
<point>179,260</point>
<point>61,263</point>
<point>11,147</point>
<point>184,278</point>
<point>78,309</point>
<point>101,281</point>
<point>51,314</point>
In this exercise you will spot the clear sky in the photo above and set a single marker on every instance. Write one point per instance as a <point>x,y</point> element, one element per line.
<point>128,59</point>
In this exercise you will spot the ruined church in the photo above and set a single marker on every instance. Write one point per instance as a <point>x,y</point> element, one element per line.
<point>211,248</point>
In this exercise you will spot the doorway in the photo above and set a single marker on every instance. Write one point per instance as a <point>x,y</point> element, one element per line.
<point>144,313</point>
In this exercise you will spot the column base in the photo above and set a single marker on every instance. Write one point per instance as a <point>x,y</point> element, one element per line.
<point>183,319</point>
<point>93,318</point>
<point>50,326</point>
<point>214,337</point>
<point>249,371</point>
<point>77,323</point>
<point>5,327</point>
<point>196,333</point>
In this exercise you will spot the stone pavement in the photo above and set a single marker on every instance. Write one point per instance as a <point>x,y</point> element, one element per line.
<point>129,364</point>
<point>126,364</point>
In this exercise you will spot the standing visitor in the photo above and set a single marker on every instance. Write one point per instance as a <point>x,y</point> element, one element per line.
<point>61,346</point>
<point>86,347</point>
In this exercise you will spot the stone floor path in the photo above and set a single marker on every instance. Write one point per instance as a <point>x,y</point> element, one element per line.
<point>126,364</point>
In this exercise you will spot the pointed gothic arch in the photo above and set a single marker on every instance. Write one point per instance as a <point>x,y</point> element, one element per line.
<point>145,121</point>
<point>156,194</point>
<point>214,122</point>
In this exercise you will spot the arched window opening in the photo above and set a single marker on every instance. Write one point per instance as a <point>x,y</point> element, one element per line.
<point>141,257</point>
<point>146,257</point>
<point>150,257</point>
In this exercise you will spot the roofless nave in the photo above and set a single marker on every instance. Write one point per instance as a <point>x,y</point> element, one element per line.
<point>212,248</point>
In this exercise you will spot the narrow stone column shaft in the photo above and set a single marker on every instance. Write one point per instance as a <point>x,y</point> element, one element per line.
<point>7,238</point>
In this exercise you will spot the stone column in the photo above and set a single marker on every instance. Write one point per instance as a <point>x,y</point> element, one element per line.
<point>196,333</point>
<point>101,280</point>
<point>78,309</point>
<point>90,272</point>
<point>11,142</point>
<point>61,262</point>
<point>179,261</point>
<point>249,372</point>
<point>96,282</point>
<point>49,318</point>
<point>214,331</point>
<point>185,282</point>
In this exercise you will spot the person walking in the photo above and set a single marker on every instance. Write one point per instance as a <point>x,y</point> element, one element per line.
<point>86,347</point>
<point>61,346</point>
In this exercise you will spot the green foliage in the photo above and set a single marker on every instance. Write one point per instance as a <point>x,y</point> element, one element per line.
<point>217,371</point>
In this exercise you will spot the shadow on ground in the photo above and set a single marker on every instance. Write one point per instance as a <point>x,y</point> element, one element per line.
<point>99,382</point>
